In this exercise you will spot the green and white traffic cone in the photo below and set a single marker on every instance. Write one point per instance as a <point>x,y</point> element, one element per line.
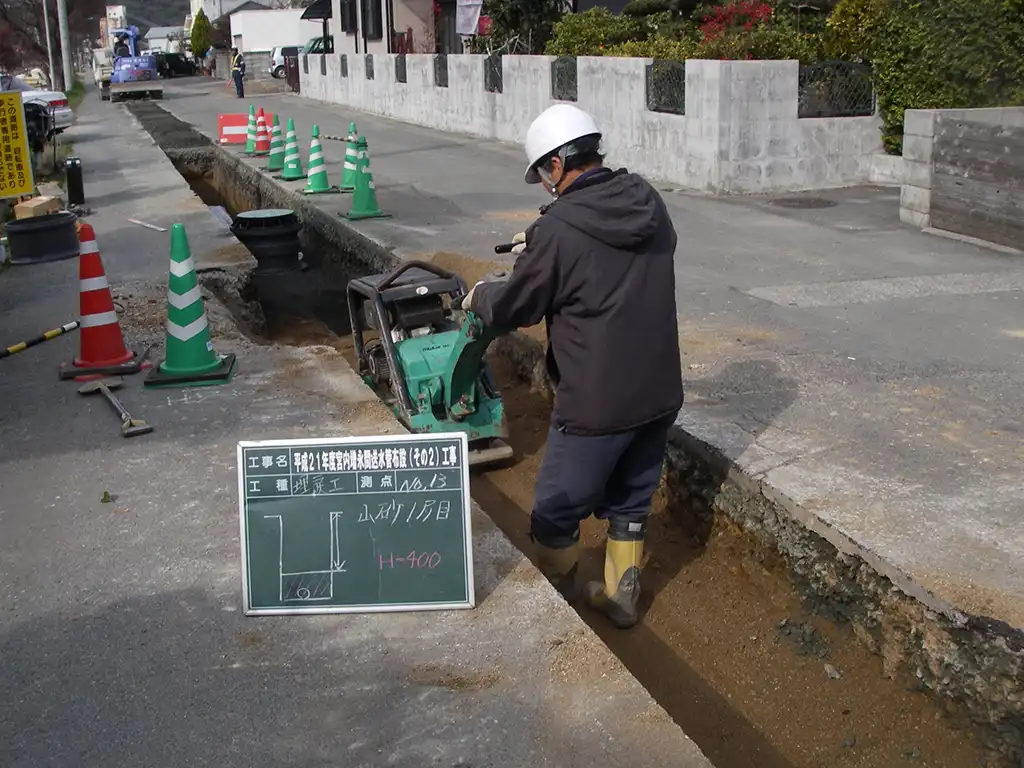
<point>292,160</point>
<point>348,175</point>
<point>275,161</point>
<point>364,199</point>
<point>317,176</point>
<point>190,360</point>
<point>250,132</point>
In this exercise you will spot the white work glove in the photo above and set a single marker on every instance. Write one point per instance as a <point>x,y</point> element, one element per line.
<point>467,301</point>
<point>521,239</point>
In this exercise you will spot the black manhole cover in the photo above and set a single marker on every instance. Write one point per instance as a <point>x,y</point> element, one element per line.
<point>803,202</point>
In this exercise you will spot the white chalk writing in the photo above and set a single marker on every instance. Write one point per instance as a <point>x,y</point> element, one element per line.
<point>391,512</point>
<point>348,460</point>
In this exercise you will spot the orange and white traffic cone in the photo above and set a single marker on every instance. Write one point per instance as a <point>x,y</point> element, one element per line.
<point>102,351</point>
<point>262,137</point>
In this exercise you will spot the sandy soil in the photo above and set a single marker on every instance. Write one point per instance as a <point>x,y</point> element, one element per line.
<point>724,645</point>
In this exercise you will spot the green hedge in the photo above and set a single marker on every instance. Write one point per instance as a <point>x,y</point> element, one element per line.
<point>933,54</point>
<point>924,54</point>
<point>593,32</point>
<point>662,35</point>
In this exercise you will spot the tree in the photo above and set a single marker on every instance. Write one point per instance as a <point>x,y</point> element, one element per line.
<point>519,26</point>
<point>27,33</point>
<point>202,34</point>
<point>220,33</point>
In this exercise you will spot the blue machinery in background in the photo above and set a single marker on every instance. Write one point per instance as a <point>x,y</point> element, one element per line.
<point>135,73</point>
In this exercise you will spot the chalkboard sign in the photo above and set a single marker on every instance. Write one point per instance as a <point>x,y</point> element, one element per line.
<point>355,524</point>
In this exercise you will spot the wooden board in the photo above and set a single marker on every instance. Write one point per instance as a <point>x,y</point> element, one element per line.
<point>978,180</point>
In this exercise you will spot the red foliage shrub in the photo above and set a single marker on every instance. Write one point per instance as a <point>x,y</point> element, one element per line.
<point>735,15</point>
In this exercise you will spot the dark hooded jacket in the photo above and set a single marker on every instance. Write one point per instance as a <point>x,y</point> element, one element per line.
<point>598,267</point>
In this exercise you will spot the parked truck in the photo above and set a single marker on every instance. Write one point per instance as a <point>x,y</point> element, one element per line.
<point>135,72</point>
<point>102,69</point>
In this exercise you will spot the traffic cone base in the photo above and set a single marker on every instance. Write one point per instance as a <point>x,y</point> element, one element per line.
<point>356,216</point>
<point>224,371</point>
<point>136,364</point>
<point>189,357</point>
<point>101,344</point>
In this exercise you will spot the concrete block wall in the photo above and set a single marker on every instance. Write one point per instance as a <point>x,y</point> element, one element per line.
<point>257,65</point>
<point>916,191</point>
<point>740,132</point>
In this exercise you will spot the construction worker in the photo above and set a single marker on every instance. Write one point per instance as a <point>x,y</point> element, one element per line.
<point>238,72</point>
<point>598,267</point>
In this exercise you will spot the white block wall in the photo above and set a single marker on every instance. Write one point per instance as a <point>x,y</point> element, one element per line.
<point>740,133</point>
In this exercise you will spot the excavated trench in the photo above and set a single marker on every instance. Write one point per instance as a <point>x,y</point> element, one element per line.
<point>769,650</point>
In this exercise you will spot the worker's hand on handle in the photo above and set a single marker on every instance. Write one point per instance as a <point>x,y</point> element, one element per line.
<point>497,276</point>
<point>517,246</point>
<point>520,240</point>
<point>467,301</point>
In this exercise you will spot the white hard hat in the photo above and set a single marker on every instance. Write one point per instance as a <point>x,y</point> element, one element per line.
<point>555,127</point>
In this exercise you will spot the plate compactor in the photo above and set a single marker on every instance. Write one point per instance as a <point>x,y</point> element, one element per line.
<point>425,355</point>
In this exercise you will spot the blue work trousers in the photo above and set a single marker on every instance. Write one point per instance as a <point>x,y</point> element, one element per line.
<point>612,477</point>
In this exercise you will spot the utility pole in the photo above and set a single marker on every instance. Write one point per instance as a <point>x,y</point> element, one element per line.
<point>65,44</point>
<point>49,45</point>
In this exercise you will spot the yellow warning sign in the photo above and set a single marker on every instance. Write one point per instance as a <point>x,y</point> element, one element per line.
<point>15,159</point>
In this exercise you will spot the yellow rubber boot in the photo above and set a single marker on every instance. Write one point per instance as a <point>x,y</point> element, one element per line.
<point>559,567</point>
<point>619,596</point>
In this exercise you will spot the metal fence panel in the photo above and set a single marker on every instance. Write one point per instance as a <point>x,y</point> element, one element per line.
<point>441,70</point>
<point>400,71</point>
<point>836,89</point>
<point>344,65</point>
<point>665,82</point>
<point>493,74</point>
<point>369,66</point>
<point>564,78</point>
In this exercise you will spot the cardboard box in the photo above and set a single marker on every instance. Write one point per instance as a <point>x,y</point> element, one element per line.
<point>49,189</point>
<point>37,206</point>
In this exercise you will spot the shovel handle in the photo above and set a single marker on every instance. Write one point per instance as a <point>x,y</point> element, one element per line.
<point>112,399</point>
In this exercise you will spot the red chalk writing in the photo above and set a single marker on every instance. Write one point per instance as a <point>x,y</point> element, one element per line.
<point>412,560</point>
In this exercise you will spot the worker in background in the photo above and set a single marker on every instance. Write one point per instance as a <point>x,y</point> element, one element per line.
<point>238,72</point>
<point>598,267</point>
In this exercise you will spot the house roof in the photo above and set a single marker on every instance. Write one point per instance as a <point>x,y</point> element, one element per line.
<point>318,10</point>
<point>231,7</point>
